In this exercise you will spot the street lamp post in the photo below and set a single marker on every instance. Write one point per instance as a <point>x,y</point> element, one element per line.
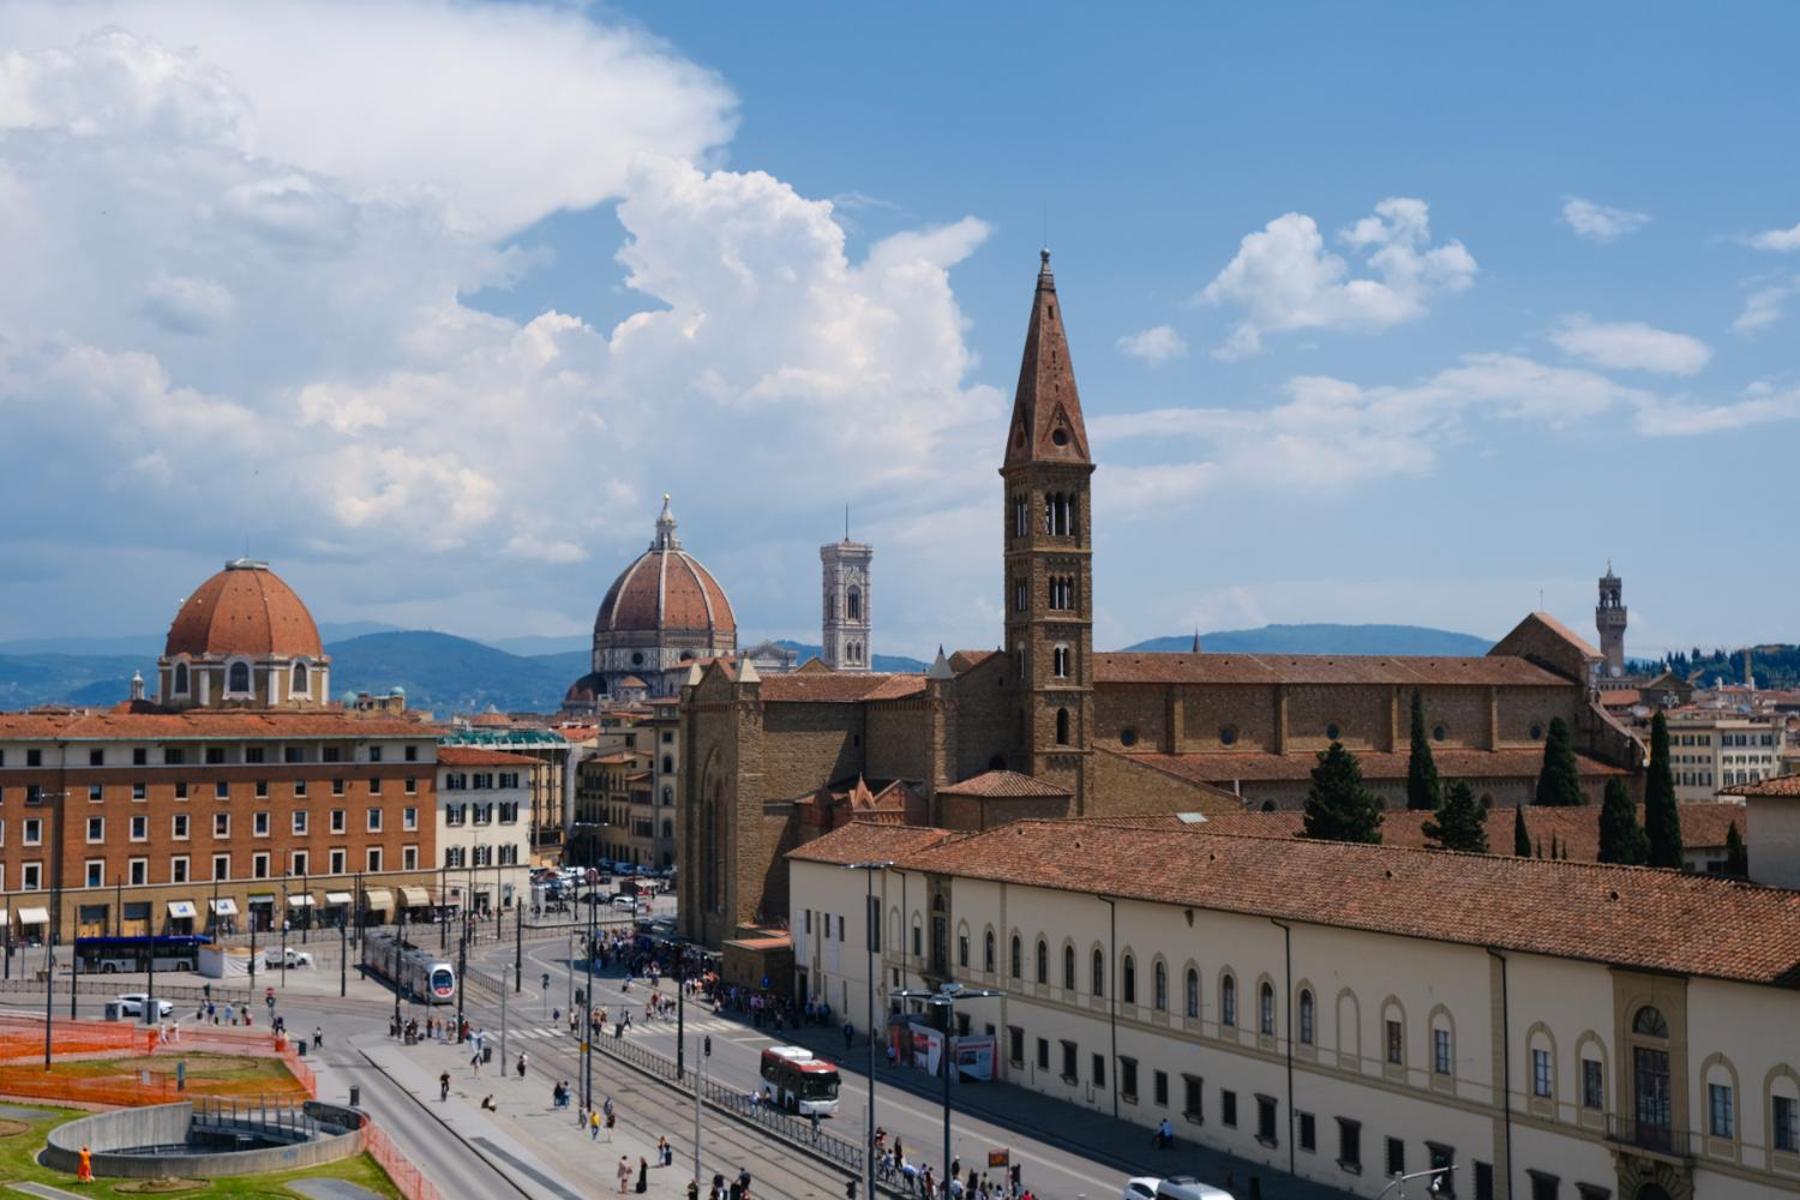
<point>55,929</point>
<point>872,943</point>
<point>945,998</point>
<point>1437,1175</point>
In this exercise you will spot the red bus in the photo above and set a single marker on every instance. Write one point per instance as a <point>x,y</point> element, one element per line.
<point>799,1082</point>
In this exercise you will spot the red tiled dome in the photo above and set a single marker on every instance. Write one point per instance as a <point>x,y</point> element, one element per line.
<point>666,590</point>
<point>244,609</point>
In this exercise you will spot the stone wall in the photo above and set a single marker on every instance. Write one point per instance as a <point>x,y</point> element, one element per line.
<point>899,739</point>
<point>810,745</point>
<point>987,724</point>
<point>1126,788</point>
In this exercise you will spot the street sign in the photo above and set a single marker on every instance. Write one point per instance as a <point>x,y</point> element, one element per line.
<point>998,1158</point>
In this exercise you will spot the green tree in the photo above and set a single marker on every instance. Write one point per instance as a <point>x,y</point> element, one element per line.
<point>1460,823</point>
<point>1559,783</point>
<point>1737,858</point>
<point>1423,790</point>
<point>1521,836</point>
<point>1339,808</point>
<point>1662,819</point>
<point>1622,839</point>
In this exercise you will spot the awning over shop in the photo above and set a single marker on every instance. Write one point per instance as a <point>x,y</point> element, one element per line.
<point>416,897</point>
<point>224,906</point>
<point>181,909</point>
<point>300,900</point>
<point>34,916</point>
<point>261,898</point>
<point>337,897</point>
<point>2,916</point>
<point>378,898</point>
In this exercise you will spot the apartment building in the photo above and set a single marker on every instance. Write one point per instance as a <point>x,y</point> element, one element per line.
<point>1713,751</point>
<point>483,823</point>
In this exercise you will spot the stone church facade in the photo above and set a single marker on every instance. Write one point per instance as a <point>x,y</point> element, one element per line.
<point>1045,727</point>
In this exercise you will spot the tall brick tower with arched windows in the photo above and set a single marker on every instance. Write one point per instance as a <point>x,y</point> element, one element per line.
<point>1047,473</point>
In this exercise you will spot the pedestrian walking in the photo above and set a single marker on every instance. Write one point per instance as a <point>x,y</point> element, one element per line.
<point>521,1064</point>
<point>624,1174</point>
<point>643,1182</point>
<point>444,1086</point>
<point>318,1036</point>
<point>849,1034</point>
<point>593,1124</point>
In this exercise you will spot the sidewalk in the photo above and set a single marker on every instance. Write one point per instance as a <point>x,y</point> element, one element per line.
<point>525,1137</point>
<point>1092,1134</point>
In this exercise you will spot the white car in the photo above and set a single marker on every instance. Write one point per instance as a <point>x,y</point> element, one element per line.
<point>1141,1189</point>
<point>295,958</point>
<point>131,1004</point>
<point>628,903</point>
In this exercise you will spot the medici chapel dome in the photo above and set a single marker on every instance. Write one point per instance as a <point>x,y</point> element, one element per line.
<point>244,638</point>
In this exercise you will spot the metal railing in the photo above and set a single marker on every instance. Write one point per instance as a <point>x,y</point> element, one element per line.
<point>112,985</point>
<point>1661,1139</point>
<point>285,1120</point>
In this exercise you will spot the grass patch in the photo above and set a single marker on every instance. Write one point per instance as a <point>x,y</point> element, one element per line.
<point>18,1161</point>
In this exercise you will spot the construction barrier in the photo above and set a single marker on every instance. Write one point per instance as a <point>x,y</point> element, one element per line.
<point>407,1178</point>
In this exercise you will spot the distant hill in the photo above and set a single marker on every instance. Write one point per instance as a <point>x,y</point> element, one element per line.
<point>149,645</point>
<point>1326,639</point>
<point>543,647</point>
<point>897,663</point>
<point>27,679</point>
<point>447,673</point>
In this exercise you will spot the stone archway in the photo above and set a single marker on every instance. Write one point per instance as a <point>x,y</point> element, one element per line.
<point>1645,1178</point>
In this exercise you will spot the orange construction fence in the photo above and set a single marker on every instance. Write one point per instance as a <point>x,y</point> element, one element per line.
<point>409,1179</point>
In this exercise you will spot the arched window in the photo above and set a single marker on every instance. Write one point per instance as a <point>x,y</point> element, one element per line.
<point>181,679</point>
<point>301,680</point>
<point>1193,994</point>
<point>1097,973</point>
<point>238,678</point>
<point>1227,1000</point>
<point>1062,726</point>
<point>1043,962</point>
<point>1128,980</point>
<point>1069,968</point>
<point>853,604</point>
<point>1650,1022</point>
<point>1018,958</point>
<point>1159,994</point>
<point>1265,1010</point>
<point>1307,1017</point>
<point>1059,662</point>
<point>668,764</point>
<point>987,952</point>
<point>1652,1090</point>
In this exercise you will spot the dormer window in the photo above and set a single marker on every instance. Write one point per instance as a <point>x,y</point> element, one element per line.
<point>181,679</point>
<point>302,681</point>
<point>237,677</point>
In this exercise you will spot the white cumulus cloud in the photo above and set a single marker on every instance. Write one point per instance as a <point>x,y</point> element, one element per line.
<point>1284,278</point>
<point>1630,346</point>
<point>1780,240</point>
<point>1157,344</point>
<point>1765,305</point>
<point>1601,222</point>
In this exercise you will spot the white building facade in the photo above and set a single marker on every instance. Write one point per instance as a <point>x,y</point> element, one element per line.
<point>1373,1020</point>
<point>1712,752</point>
<point>484,827</point>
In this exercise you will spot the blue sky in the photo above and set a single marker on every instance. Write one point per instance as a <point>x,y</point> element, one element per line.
<point>1406,314</point>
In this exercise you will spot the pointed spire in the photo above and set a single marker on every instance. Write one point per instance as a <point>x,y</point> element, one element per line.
<point>1046,425</point>
<point>665,529</point>
<point>747,672</point>
<point>1197,649</point>
<point>693,675</point>
<point>940,668</point>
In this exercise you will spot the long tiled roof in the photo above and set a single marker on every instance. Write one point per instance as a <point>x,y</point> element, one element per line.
<point>1625,916</point>
<point>474,756</point>
<point>1002,784</point>
<point>838,687</point>
<point>1127,666</point>
<point>1577,829</point>
<point>1223,769</point>
<point>1780,786</point>
<point>866,841</point>
<point>200,723</point>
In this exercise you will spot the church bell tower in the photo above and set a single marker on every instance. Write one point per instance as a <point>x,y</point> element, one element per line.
<point>1609,618</point>
<point>1047,473</point>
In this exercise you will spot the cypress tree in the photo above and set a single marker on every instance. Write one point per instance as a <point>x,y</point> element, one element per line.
<point>1622,839</point>
<point>1737,858</point>
<point>1521,838</point>
<point>1338,807</point>
<point>1662,820</point>
<point>1559,783</point>
<point>1423,790</point>
<point>1460,824</point>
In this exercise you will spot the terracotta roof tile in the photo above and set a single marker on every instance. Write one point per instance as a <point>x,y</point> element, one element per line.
<point>472,756</point>
<point>667,589</point>
<point>839,687</point>
<point>244,609</point>
<point>964,660</point>
<point>209,723</point>
<point>1781,786</point>
<point>1002,784</point>
<point>1126,666</point>
<point>866,841</point>
<point>1627,916</point>
<point>1224,769</point>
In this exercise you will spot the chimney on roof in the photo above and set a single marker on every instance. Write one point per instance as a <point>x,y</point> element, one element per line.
<point>1749,675</point>
<point>137,681</point>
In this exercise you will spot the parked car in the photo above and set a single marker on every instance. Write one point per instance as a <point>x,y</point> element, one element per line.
<point>1185,1187</point>
<point>295,958</point>
<point>1141,1189</point>
<point>626,903</point>
<point>131,1004</point>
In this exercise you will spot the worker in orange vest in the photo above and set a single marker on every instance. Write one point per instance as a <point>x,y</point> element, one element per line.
<point>84,1172</point>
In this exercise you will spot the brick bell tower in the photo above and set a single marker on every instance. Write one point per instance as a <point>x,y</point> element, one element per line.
<point>1049,558</point>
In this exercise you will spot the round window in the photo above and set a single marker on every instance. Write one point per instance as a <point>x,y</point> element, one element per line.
<point>1537,733</point>
<point>1060,438</point>
<point>1228,734</point>
<point>1128,737</point>
<point>1437,733</point>
<point>1332,731</point>
<point>637,658</point>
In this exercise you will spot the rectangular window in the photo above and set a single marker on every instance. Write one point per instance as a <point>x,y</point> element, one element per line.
<point>299,863</point>
<point>1159,1082</point>
<point>221,866</point>
<point>96,829</point>
<point>1350,1145</point>
<point>409,857</point>
<point>1043,1054</point>
<point>1593,1084</point>
<point>1265,1120</point>
<point>374,825</point>
<point>1193,1092</point>
<point>96,872</point>
<point>221,825</point>
<point>34,831</point>
<point>1396,1043</point>
<point>262,789</point>
<point>374,858</point>
<point>337,787</point>
<point>1069,1053</point>
<point>139,791</point>
<point>299,819</point>
<point>259,865</point>
<point>1719,1116</point>
<point>409,818</point>
<point>140,829</point>
<point>34,758</point>
<point>331,754</point>
<point>1015,1045</point>
<point>375,786</point>
<point>259,824</point>
<point>253,754</point>
<point>337,862</point>
<point>31,876</point>
<point>1228,1108</point>
<point>299,789</point>
<point>411,787</point>
<point>374,753</point>
<point>1439,1157</point>
<point>1308,1132</point>
<point>215,755</point>
<point>221,790</point>
<point>140,756</point>
<point>1544,1187</point>
<point>1540,1073</point>
<point>138,872</point>
<point>1396,1156</point>
<point>1128,1079</point>
<point>96,758</point>
<point>337,820</point>
<point>181,789</point>
<point>292,754</point>
<point>1785,1114</point>
<point>96,792</point>
<point>412,752</point>
<point>1440,1051</point>
<point>178,869</point>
